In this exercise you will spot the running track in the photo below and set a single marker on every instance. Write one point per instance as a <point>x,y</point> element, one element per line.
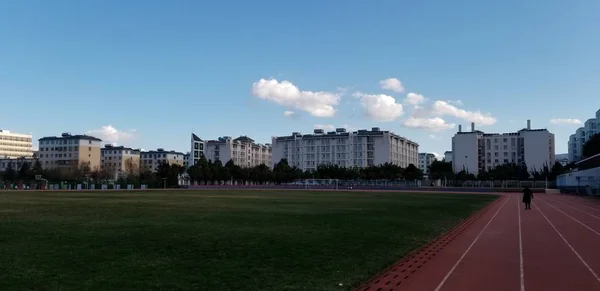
<point>555,246</point>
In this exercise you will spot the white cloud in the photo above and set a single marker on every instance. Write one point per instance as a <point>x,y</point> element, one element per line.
<point>110,134</point>
<point>392,84</point>
<point>288,113</point>
<point>318,104</point>
<point>456,102</point>
<point>442,108</point>
<point>380,107</point>
<point>569,121</point>
<point>431,124</point>
<point>414,99</point>
<point>432,136</point>
<point>438,156</point>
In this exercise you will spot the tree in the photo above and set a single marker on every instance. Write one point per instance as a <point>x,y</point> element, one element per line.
<point>592,146</point>
<point>412,173</point>
<point>9,173</point>
<point>25,173</point>
<point>441,170</point>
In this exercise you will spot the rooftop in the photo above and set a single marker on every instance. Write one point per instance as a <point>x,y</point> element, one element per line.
<point>70,136</point>
<point>340,132</point>
<point>162,151</point>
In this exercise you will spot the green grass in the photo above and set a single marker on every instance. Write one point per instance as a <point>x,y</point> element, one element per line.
<point>214,240</point>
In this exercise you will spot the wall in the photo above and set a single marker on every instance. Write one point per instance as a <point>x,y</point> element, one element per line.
<point>465,144</point>
<point>539,149</point>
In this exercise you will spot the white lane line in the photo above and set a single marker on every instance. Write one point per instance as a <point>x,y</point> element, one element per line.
<point>521,247</point>
<point>565,204</point>
<point>580,203</point>
<point>568,244</point>
<point>469,248</point>
<point>571,217</point>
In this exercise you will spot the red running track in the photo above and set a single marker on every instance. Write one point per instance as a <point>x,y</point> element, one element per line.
<point>555,246</point>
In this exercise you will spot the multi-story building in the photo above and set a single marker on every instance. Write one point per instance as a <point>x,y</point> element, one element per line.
<point>187,160</point>
<point>68,151</point>
<point>448,156</point>
<point>581,136</point>
<point>477,151</point>
<point>15,163</point>
<point>563,159</point>
<point>425,159</point>
<point>590,127</point>
<point>196,150</point>
<point>243,151</point>
<point>360,148</point>
<point>119,160</point>
<point>15,145</point>
<point>149,160</point>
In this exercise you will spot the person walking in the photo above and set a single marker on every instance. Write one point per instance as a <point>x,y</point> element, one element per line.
<point>527,196</point>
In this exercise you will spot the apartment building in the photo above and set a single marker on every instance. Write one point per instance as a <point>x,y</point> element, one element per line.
<point>15,145</point>
<point>196,150</point>
<point>477,151</point>
<point>119,160</point>
<point>448,156</point>
<point>149,159</point>
<point>68,151</point>
<point>244,151</point>
<point>360,148</point>
<point>580,137</point>
<point>425,159</point>
<point>15,163</point>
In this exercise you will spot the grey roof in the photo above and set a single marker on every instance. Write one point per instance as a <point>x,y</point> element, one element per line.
<point>77,136</point>
<point>244,138</point>
<point>196,138</point>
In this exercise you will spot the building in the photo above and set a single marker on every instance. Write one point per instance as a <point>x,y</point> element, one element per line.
<point>448,156</point>
<point>149,160</point>
<point>581,136</point>
<point>15,145</point>
<point>119,161</point>
<point>15,163</point>
<point>477,151</point>
<point>187,160</point>
<point>425,159</point>
<point>360,148</point>
<point>196,150</point>
<point>68,151</point>
<point>243,151</point>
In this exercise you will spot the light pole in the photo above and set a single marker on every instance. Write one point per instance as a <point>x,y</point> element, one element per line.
<point>467,163</point>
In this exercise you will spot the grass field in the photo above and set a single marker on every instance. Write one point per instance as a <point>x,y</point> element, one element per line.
<point>214,240</point>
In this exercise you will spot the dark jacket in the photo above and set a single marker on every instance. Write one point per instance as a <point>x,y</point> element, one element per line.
<point>527,195</point>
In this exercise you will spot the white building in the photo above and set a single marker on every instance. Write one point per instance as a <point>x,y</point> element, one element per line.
<point>196,150</point>
<point>15,145</point>
<point>243,151</point>
<point>361,148</point>
<point>425,159</point>
<point>581,136</point>
<point>476,151</point>
<point>448,156</point>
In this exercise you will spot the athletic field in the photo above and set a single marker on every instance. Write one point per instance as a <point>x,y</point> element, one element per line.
<point>214,240</point>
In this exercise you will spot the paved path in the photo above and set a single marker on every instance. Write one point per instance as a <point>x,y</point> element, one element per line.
<point>555,246</point>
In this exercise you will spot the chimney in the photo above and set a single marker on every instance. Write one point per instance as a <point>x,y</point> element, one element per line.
<point>472,126</point>
<point>459,128</point>
<point>528,123</point>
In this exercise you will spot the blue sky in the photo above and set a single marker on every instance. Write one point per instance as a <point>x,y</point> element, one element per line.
<point>147,73</point>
